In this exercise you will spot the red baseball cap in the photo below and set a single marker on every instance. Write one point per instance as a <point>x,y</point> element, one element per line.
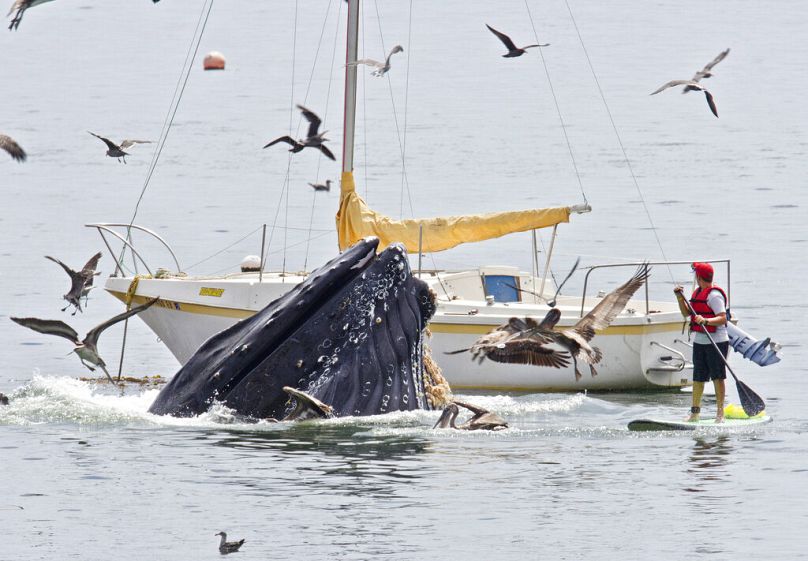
<point>704,271</point>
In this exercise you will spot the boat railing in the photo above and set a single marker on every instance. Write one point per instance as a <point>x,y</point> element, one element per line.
<point>127,243</point>
<point>647,264</point>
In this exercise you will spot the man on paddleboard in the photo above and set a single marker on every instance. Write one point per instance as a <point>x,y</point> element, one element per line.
<point>709,302</point>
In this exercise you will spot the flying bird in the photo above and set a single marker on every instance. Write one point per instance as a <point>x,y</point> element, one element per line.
<point>693,85</point>
<point>321,187</point>
<point>513,50</point>
<point>21,6</point>
<point>87,348</point>
<point>226,547</point>
<point>706,72</point>
<point>14,150</point>
<point>117,150</point>
<point>314,139</point>
<point>481,420</point>
<point>518,342</point>
<point>381,68</point>
<point>81,282</point>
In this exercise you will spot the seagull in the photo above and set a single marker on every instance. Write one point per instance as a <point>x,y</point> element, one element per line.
<point>117,151</point>
<point>518,342</point>
<point>226,547</point>
<point>313,140</point>
<point>694,86</point>
<point>513,50</point>
<point>482,419</point>
<point>706,71</point>
<point>21,6</point>
<point>80,281</point>
<point>15,150</point>
<point>381,67</point>
<point>87,349</point>
<point>321,187</point>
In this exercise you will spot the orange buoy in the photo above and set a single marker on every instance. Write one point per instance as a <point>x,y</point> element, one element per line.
<point>214,60</point>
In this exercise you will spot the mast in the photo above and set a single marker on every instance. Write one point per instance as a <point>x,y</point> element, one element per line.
<point>351,52</point>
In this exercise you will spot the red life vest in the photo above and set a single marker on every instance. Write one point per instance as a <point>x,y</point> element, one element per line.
<point>699,304</point>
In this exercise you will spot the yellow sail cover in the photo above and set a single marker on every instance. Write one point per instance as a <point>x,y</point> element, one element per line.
<point>356,220</point>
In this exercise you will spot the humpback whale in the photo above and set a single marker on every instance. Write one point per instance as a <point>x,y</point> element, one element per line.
<point>350,336</point>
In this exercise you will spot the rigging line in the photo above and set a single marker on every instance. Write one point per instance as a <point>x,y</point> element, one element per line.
<point>406,106</point>
<point>325,114</point>
<point>236,265</point>
<point>287,186</point>
<point>395,119</point>
<point>620,141</point>
<point>175,102</point>
<point>364,107</point>
<point>557,106</point>
<point>208,258</point>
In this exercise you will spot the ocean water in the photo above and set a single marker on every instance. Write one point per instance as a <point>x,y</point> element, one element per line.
<point>88,474</point>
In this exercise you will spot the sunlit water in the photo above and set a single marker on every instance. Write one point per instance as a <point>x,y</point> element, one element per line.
<point>88,474</point>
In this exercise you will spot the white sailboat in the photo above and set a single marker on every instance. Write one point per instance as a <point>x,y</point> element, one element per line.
<point>642,348</point>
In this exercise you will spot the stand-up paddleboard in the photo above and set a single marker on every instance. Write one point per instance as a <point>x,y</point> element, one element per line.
<point>734,418</point>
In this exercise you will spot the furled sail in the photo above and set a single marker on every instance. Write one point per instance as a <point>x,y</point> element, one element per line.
<point>356,220</point>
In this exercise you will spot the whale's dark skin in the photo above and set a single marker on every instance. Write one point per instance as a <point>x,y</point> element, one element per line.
<point>350,335</point>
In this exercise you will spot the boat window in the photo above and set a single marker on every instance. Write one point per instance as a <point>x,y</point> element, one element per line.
<point>502,287</point>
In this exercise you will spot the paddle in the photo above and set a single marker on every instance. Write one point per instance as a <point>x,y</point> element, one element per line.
<point>751,402</point>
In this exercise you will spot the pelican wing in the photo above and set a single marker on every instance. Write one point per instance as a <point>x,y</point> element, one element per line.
<point>602,315</point>
<point>50,327</point>
<point>524,350</point>
<point>95,332</point>
<point>473,408</point>
<point>312,118</point>
<point>287,139</point>
<point>111,145</point>
<point>502,37</point>
<point>10,145</point>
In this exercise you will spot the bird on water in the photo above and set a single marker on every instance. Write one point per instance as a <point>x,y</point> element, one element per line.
<point>117,150</point>
<point>482,419</point>
<point>513,50</point>
<point>87,348</point>
<point>81,282</point>
<point>314,139</point>
<point>381,68</point>
<point>226,547</point>
<point>14,150</point>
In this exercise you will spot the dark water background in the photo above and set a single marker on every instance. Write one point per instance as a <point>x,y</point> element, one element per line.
<point>99,478</point>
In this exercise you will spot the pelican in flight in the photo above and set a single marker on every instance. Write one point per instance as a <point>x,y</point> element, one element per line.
<point>481,420</point>
<point>513,50</point>
<point>14,150</point>
<point>81,282</point>
<point>693,86</point>
<point>321,186</point>
<point>314,139</point>
<point>705,72</point>
<point>381,68</point>
<point>87,348</point>
<point>117,150</point>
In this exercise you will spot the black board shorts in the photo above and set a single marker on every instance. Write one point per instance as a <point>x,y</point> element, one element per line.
<point>707,365</point>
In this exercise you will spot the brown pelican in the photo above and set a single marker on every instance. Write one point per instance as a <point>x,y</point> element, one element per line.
<point>117,151</point>
<point>381,67</point>
<point>513,50</point>
<point>321,187</point>
<point>481,420</point>
<point>706,72</point>
<point>86,349</point>
<point>692,85</point>
<point>14,150</point>
<point>226,547</point>
<point>519,342</point>
<point>80,281</point>
<point>313,139</point>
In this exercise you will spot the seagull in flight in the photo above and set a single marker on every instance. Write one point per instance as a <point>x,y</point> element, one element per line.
<point>87,348</point>
<point>321,187</point>
<point>117,150</point>
<point>706,72</point>
<point>81,282</point>
<point>381,68</point>
<point>21,6</point>
<point>314,139</point>
<point>513,50</point>
<point>14,150</point>
<point>693,86</point>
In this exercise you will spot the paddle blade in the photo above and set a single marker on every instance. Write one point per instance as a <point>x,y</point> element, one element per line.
<point>751,402</point>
